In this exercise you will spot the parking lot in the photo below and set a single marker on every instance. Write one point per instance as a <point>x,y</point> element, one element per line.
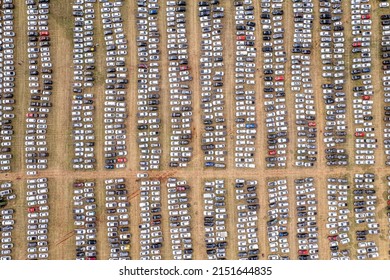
<point>339,213</point>
<point>365,203</point>
<point>8,83</point>
<point>210,151</point>
<point>215,219</point>
<point>274,83</point>
<point>37,219</point>
<point>307,224</point>
<point>7,220</point>
<point>150,226</point>
<point>84,215</point>
<point>118,216</point>
<point>247,219</point>
<point>277,223</point>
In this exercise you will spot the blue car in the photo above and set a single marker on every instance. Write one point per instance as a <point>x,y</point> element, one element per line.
<point>250,125</point>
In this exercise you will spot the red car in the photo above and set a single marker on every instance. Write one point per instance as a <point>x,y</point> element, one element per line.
<point>91,258</point>
<point>332,237</point>
<point>241,38</point>
<point>122,160</point>
<point>156,222</point>
<point>359,134</point>
<point>272,152</point>
<point>279,78</point>
<point>366,97</point>
<point>184,67</point>
<point>356,44</point>
<point>312,123</point>
<point>180,189</point>
<point>32,209</point>
<point>303,252</point>
<point>44,33</point>
<point>368,16</point>
<point>29,115</point>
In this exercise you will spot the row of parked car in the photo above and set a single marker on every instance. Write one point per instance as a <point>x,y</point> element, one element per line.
<point>339,215</point>
<point>274,58</point>
<point>307,227</point>
<point>245,95</point>
<point>368,250</point>
<point>179,74</point>
<point>37,198</point>
<point>148,76</point>
<point>40,85</point>
<point>333,70</point>
<point>365,141</point>
<point>83,106</point>
<point>301,84</point>
<point>151,238</point>
<point>214,220</point>
<point>180,219</point>
<point>115,105</point>
<point>212,73</point>
<point>388,206</point>
<point>85,221</point>
<point>385,53</point>
<point>247,225</point>
<point>7,76</point>
<point>364,202</point>
<point>118,218</point>
<point>277,219</point>
<point>6,215</point>
<point>6,192</point>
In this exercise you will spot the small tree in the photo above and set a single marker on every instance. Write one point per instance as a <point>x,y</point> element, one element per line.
<point>3,203</point>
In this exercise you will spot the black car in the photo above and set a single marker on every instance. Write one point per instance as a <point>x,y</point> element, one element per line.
<point>156,245</point>
<point>302,235</point>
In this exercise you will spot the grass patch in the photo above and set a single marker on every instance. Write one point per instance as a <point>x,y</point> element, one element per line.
<point>99,78</point>
<point>62,15</point>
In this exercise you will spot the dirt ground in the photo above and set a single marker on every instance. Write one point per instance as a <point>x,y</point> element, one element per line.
<point>61,176</point>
